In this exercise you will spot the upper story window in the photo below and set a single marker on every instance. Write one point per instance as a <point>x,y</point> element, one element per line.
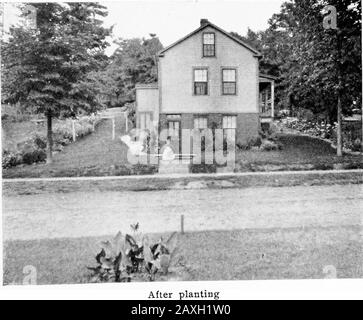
<point>229,82</point>
<point>209,44</point>
<point>201,82</point>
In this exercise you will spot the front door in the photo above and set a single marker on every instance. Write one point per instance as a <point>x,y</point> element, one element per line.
<point>174,131</point>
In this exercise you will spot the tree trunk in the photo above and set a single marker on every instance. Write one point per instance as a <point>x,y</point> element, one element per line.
<point>339,129</point>
<point>50,139</point>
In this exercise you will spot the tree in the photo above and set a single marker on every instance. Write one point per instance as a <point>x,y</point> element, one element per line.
<point>318,70</point>
<point>273,44</point>
<point>134,61</point>
<point>323,73</point>
<point>47,68</point>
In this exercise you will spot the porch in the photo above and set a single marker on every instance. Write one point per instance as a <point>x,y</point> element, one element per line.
<point>267,98</point>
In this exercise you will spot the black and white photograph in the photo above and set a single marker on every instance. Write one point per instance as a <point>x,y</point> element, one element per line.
<point>181,141</point>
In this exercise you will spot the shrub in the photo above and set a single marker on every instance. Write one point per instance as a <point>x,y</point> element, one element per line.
<point>33,150</point>
<point>203,168</point>
<point>252,142</point>
<point>127,257</point>
<point>34,156</point>
<point>10,159</point>
<point>317,129</point>
<point>355,146</point>
<point>40,141</point>
<point>268,145</point>
<point>256,142</point>
<point>323,130</point>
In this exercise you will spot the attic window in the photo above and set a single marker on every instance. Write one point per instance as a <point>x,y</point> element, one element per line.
<point>209,44</point>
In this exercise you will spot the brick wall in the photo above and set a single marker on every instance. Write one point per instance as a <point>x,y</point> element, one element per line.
<point>248,124</point>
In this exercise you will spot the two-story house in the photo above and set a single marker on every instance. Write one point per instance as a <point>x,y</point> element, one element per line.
<point>208,79</point>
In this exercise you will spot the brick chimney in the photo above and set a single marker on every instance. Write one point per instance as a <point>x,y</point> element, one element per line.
<point>203,22</point>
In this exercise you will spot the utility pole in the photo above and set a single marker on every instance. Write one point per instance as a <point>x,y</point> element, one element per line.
<point>330,22</point>
<point>340,82</point>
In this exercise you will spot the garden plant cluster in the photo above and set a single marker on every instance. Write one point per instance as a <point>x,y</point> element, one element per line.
<point>33,150</point>
<point>323,130</point>
<point>132,257</point>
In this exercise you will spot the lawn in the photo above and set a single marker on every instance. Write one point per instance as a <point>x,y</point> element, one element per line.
<point>259,254</point>
<point>298,151</point>
<point>94,155</point>
<point>99,155</point>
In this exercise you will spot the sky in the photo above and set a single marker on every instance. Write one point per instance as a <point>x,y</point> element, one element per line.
<point>171,20</point>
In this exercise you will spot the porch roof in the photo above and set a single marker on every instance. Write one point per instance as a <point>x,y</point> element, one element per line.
<point>141,86</point>
<point>267,78</point>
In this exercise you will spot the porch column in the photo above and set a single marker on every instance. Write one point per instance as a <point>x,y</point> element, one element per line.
<point>273,99</point>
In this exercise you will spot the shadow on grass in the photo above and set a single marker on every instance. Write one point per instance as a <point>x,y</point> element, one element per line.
<point>259,254</point>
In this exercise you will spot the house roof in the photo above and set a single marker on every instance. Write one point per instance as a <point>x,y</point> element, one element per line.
<point>205,24</point>
<point>266,76</point>
<point>153,85</point>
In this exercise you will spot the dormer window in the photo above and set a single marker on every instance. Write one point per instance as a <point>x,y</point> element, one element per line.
<point>209,44</point>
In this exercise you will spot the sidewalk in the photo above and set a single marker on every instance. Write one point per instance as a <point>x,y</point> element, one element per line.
<point>180,182</point>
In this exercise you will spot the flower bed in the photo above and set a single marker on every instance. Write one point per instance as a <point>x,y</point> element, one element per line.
<point>33,150</point>
<point>322,130</point>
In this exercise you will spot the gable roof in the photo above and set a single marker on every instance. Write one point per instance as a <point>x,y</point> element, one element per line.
<point>205,25</point>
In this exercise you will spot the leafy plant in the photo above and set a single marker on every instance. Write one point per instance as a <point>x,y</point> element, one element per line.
<point>33,150</point>
<point>268,145</point>
<point>10,159</point>
<point>322,130</point>
<point>129,257</point>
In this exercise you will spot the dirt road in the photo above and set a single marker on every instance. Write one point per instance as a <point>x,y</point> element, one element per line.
<point>96,214</point>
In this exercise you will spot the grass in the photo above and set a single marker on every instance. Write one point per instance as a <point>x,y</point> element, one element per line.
<point>299,152</point>
<point>294,253</point>
<point>94,155</point>
<point>99,155</point>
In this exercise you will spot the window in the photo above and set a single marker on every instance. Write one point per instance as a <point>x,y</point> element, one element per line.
<point>174,117</point>
<point>209,45</point>
<point>201,123</point>
<point>229,130</point>
<point>230,122</point>
<point>229,86</point>
<point>145,121</point>
<point>201,82</point>
<point>174,128</point>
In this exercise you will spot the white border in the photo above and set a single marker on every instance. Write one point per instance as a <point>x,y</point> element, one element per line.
<point>238,290</point>
<point>244,290</point>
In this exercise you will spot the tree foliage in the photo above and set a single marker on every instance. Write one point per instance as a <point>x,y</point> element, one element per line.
<point>307,58</point>
<point>134,61</point>
<point>47,68</point>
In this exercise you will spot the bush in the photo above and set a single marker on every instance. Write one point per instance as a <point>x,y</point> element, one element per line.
<point>10,159</point>
<point>40,141</point>
<point>33,150</point>
<point>268,145</point>
<point>34,156</point>
<point>127,257</point>
<point>355,146</point>
<point>203,168</point>
<point>253,142</point>
<point>317,129</point>
<point>323,130</point>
